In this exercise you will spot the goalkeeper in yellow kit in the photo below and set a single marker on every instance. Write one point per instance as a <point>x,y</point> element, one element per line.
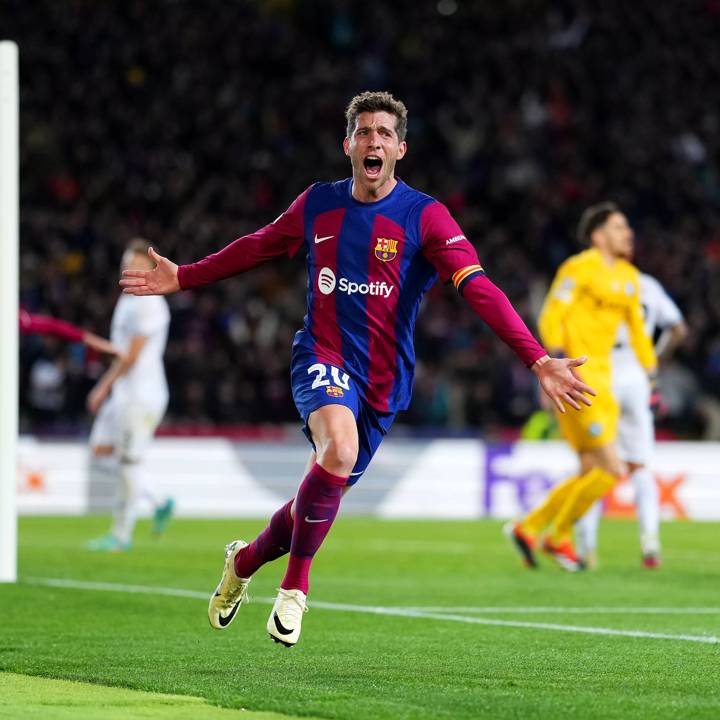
<point>592,294</point>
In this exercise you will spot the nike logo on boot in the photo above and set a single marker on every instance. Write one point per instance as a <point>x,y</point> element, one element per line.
<point>280,627</point>
<point>225,621</point>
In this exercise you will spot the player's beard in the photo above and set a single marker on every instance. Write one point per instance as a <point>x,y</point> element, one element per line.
<point>388,171</point>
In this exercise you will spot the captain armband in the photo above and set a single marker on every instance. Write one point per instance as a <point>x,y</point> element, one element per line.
<point>462,277</point>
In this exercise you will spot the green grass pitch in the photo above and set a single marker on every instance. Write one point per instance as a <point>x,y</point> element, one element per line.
<point>466,631</point>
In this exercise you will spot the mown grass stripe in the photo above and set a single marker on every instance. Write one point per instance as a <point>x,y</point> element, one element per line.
<point>416,613</point>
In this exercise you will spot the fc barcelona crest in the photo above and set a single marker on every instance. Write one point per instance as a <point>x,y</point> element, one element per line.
<point>386,249</point>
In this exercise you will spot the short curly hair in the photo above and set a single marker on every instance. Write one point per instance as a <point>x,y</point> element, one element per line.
<point>594,217</point>
<point>377,102</point>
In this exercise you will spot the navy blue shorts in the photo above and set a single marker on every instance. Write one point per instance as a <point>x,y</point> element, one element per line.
<point>315,384</point>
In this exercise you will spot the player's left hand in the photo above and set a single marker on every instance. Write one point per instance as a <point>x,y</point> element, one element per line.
<point>560,382</point>
<point>162,280</point>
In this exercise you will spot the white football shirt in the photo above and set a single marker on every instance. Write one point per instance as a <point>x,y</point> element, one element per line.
<point>659,312</point>
<point>149,316</point>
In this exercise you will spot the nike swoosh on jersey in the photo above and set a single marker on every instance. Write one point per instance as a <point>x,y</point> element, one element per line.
<point>310,520</point>
<point>322,239</point>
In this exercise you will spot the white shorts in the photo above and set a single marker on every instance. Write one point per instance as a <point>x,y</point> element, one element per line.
<point>127,426</point>
<point>636,431</point>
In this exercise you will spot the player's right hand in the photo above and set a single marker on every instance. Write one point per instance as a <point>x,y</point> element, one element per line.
<point>161,280</point>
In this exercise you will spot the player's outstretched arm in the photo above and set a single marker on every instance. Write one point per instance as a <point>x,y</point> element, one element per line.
<point>100,344</point>
<point>161,280</point>
<point>120,365</point>
<point>560,383</point>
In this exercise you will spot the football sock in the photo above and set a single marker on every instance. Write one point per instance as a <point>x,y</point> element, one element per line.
<point>146,491</point>
<point>273,542</point>
<point>591,487</point>
<point>586,529</point>
<point>103,481</point>
<point>102,466</point>
<point>316,506</point>
<point>648,508</point>
<point>129,500</point>
<point>536,521</point>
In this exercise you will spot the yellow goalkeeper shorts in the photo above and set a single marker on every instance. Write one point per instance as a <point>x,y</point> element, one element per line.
<point>594,426</point>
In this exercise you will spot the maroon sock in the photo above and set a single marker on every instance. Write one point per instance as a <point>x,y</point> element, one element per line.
<point>316,506</point>
<point>273,542</point>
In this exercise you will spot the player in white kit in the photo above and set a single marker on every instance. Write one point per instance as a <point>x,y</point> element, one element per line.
<point>130,400</point>
<point>636,432</point>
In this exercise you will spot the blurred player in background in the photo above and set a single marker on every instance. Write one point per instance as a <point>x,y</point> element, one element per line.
<point>130,400</point>
<point>593,293</point>
<point>374,247</point>
<point>636,434</point>
<point>34,324</point>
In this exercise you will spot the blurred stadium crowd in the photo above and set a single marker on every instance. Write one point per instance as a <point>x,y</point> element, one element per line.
<point>193,123</point>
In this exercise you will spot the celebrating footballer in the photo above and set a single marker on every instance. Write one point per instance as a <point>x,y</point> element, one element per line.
<point>373,247</point>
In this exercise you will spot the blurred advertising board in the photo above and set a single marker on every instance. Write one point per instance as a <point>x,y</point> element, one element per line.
<point>216,477</point>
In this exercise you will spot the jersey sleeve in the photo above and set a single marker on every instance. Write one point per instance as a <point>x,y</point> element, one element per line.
<point>493,306</point>
<point>639,339</point>
<point>31,324</point>
<point>445,246</point>
<point>668,313</point>
<point>283,236</point>
<point>558,302</point>
<point>454,258</point>
<point>146,317</point>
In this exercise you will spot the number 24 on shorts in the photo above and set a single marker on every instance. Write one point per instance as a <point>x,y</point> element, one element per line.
<point>320,371</point>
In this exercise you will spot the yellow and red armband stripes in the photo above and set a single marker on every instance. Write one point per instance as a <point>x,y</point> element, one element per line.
<point>462,277</point>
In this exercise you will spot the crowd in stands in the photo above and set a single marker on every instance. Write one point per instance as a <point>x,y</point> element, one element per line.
<point>193,123</point>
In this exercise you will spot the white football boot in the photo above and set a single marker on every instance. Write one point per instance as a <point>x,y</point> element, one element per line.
<point>231,592</point>
<point>286,617</point>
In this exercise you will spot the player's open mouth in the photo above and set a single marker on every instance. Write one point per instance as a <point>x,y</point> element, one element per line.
<point>373,166</point>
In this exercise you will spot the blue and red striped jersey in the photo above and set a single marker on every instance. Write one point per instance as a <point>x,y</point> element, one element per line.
<point>368,266</point>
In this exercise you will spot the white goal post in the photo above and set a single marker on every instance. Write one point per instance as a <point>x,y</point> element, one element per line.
<point>9,241</point>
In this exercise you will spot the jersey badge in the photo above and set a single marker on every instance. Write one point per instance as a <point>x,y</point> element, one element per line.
<point>595,429</point>
<point>386,249</point>
<point>564,292</point>
<point>334,391</point>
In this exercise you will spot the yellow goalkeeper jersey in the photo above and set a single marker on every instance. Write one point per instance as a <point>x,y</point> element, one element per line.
<point>587,302</point>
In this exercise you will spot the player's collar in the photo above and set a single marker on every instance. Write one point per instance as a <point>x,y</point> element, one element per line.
<point>399,186</point>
